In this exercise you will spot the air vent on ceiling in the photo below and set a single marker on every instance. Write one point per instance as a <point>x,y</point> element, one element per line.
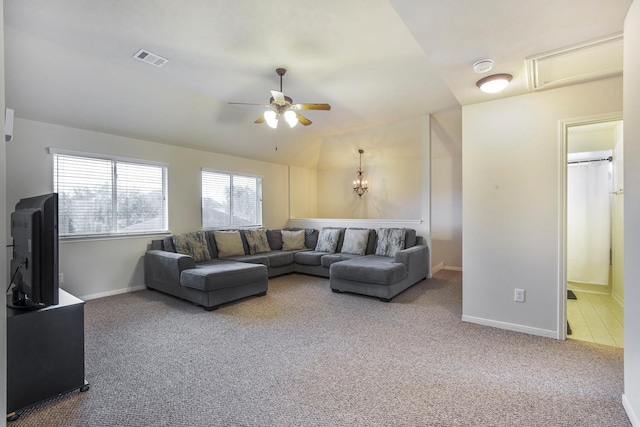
<point>589,61</point>
<point>150,58</point>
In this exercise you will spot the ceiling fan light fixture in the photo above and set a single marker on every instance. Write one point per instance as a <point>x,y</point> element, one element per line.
<point>291,118</point>
<point>495,83</point>
<point>270,117</point>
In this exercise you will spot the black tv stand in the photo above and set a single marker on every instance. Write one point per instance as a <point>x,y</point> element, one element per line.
<point>45,353</point>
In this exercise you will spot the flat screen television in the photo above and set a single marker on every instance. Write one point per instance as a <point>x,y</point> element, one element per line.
<point>34,265</point>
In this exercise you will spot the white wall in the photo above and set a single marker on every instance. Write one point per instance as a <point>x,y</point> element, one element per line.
<point>101,267</point>
<point>617,268</point>
<point>511,163</point>
<point>446,189</point>
<point>3,236</point>
<point>392,163</point>
<point>631,398</point>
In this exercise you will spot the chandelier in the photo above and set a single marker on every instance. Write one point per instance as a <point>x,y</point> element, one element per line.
<point>360,185</point>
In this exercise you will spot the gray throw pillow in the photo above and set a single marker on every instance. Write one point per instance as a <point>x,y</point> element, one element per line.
<point>292,240</point>
<point>355,241</point>
<point>390,241</point>
<point>192,244</point>
<point>257,241</point>
<point>229,243</point>
<point>328,240</point>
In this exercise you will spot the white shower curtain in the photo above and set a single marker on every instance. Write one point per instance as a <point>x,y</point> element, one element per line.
<point>588,222</point>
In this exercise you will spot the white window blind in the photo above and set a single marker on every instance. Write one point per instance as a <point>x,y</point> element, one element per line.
<point>231,200</point>
<point>106,197</point>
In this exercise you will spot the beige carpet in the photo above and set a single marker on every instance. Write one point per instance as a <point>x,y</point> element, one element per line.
<point>304,356</point>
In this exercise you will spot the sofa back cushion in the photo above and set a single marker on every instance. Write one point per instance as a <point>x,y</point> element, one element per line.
<point>192,244</point>
<point>390,241</point>
<point>228,243</point>
<point>274,237</point>
<point>257,241</point>
<point>167,244</point>
<point>292,240</point>
<point>355,241</point>
<point>410,238</point>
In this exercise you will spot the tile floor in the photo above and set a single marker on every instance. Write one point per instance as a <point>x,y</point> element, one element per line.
<point>596,318</point>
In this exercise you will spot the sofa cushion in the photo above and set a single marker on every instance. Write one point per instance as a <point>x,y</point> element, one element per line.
<point>309,257</point>
<point>167,244</point>
<point>369,269</point>
<point>329,259</point>
<point>328,240</point>
<point>410,238</point>
<point>192,244</point>
<point>390,241</point>
<point>355,241</point>
<point>274,237</point>
<point>280,258</point>
<point>292,240</point>
<point>257,241</point>
<point>222,274</point>
<point>229,243</point>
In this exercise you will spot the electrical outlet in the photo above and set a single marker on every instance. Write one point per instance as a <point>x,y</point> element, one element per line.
<point>518,295</point>
<point>60,277</point>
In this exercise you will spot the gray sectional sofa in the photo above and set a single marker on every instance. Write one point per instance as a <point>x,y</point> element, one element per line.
<point>211,268</point>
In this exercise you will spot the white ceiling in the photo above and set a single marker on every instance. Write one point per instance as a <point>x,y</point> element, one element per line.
<point>71,62</point>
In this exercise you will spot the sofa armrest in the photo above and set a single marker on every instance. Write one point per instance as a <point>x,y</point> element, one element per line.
<point>165,267</point>
<point>416,259</point>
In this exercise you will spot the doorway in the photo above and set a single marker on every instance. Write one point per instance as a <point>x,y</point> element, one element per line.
<point>592,278</point>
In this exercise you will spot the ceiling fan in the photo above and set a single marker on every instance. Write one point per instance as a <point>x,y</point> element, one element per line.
<point>283,106</point>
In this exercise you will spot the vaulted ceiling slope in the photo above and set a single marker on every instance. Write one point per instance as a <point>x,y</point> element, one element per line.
<point>70,62</point>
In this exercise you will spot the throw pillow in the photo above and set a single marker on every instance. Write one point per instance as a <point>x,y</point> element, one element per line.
<point>229,243</point>
<point>390,241</point>
<point>192,244</point>
<point>275,239</point>
<point>257,241</point>
<point>292,240</point>
<point>355,241</point>
<point>328,240</point>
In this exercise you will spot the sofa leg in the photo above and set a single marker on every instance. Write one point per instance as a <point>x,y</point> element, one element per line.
<point>337,291</point>
<point>385,299</point>
<point>261,294</point>
<point>215,307</point>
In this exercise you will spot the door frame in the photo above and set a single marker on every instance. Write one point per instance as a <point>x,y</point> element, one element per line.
<point>563,129</point>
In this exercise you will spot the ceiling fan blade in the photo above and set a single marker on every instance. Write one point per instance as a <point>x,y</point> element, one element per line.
<point>303,120</point>
<point>278,97</point>
<point>260,120</point>
<point>248,103</point>
<point>312,107</point>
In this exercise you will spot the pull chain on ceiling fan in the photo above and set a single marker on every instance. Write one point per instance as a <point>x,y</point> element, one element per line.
<point>283,106</point>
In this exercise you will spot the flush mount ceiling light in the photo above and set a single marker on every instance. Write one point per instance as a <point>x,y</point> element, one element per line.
<point>494,83</point>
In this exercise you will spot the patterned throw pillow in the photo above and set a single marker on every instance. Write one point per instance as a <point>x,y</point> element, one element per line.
<point>390,241</point>
<point>292,240</point>
<point>355,241</point>
<point>257,241</point>
<point>192,244</point>
<point>328,240</point>
<point>229,243</point>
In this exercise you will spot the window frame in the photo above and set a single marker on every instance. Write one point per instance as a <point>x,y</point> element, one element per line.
<point>259,187</point>
<point>115,160</point>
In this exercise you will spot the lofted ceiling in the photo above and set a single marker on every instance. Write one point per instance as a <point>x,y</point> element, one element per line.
<point>70,62</point>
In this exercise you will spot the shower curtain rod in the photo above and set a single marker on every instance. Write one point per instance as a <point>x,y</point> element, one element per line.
<point>608,159</point>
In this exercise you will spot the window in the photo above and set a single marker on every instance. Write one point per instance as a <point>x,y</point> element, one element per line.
<point>100,196</point>
<point>230,200</point>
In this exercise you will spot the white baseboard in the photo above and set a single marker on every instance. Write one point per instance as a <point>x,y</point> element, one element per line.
<point>442,266</point>
<point>511,327</point>
<point>437,268</point>
<point>111,293</point>
<point>635,421</point>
